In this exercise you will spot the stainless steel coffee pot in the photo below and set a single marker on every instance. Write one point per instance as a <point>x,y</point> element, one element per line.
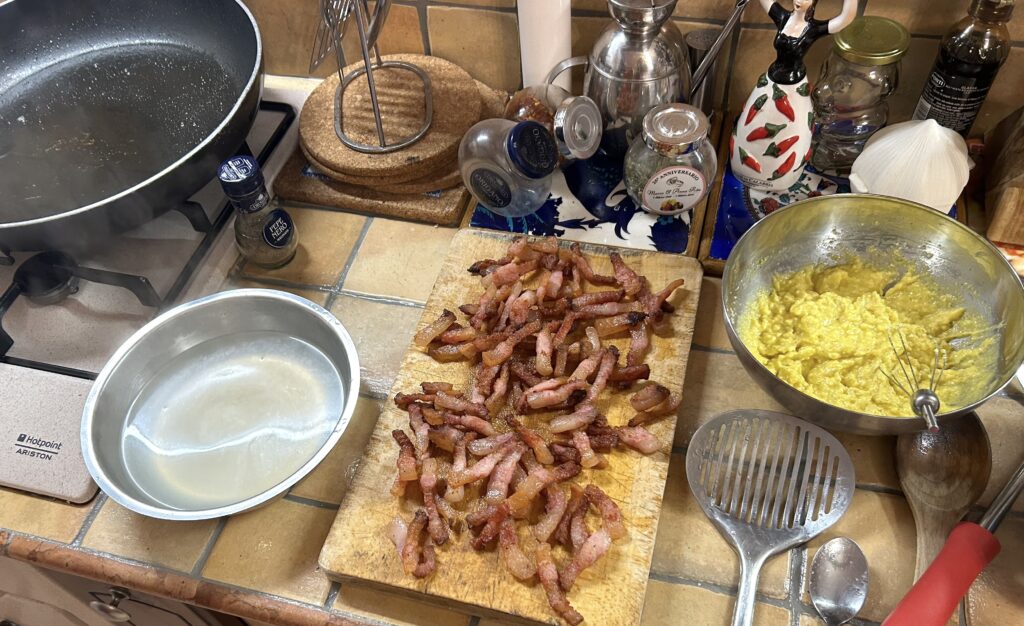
<point>638,62</point>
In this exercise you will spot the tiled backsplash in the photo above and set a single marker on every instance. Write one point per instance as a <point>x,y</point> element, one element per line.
<point>482,36</point>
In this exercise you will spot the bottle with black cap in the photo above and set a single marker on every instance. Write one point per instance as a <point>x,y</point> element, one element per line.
<point>508,165</point>
<point>265,233</point>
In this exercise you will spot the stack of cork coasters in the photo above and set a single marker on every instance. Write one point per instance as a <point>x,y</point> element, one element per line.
<point>419,182</point>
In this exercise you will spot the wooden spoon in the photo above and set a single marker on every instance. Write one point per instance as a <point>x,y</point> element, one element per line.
<point>942,475</point>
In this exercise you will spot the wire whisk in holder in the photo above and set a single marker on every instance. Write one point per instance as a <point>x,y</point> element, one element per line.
<point>923,398</point>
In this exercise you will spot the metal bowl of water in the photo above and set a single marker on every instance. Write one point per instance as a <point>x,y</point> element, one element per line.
<point>820,230</point>
<point>220,404</point>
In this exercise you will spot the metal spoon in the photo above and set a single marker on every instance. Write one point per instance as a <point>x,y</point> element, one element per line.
<point>942,475</point>
<point>839,581</point>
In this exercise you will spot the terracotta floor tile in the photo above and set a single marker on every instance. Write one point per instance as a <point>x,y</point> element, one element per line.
<point>320,297</point>
<point>484,43</point>
<point>329,481</point>
<point>709,329</point>
<point>382,334</point>
<point>667,603</point>
<point>41,517</point>
<point>393,608</point>
<point>715,383</point>
<point>326,239</point>
<point>1003,418</point>
<point>176,545</point>
<point>874,459</point>
<point>399,259</point>
<point>996,597</point>
<point>883,527</point>
<point>690,547</point>
<point>274,549</point>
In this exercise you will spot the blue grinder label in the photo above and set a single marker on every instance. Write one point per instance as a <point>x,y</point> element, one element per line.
<point>490,188</point>
<point>278,229</point>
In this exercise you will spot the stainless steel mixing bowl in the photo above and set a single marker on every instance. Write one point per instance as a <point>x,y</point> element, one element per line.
<point>220,404</point>
<point>822,230</point>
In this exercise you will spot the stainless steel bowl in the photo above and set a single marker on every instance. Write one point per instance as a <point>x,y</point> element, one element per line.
<point>820,230</point>
<point>220,404</point>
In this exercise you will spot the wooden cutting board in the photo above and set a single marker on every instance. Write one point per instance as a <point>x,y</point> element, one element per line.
<point>611,593</point>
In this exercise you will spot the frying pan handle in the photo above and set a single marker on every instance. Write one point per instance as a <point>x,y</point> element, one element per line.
<point>934,597</point>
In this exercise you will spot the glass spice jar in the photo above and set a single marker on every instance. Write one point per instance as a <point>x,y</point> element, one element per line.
<point>264,232</point>
<point>858,76</point>
<point>574,121</point>
<point>670,166</point>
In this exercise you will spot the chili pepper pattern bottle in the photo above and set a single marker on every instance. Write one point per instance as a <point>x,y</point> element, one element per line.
<point>771,139</point>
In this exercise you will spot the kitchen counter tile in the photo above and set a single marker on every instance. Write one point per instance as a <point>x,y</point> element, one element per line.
<point>996,596</point>
<point>394,609</point>
<point>176,545</point>
<point>874,459</point>
<point>479,41</point>
<point>667,603</point>
<point>42,517</point>
<point>326,240</point>
<point>883,527</point>
<point>709,328</point>
<point>274,549</point>
<point>689,546</point>
<point>382,333</point>
<point>399,259</point>
<point>1003,418</point>
<point>716,382</point>
<point>313,295</point>
<point>329,481</point>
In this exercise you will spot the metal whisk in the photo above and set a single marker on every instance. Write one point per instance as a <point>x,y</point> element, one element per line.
<point>923,400</point>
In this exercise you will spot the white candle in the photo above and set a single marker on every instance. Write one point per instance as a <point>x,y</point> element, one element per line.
<point>545,38</point>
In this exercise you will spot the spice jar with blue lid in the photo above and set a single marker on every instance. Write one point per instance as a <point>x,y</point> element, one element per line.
<point>264,232</point>
<point>508,165</point>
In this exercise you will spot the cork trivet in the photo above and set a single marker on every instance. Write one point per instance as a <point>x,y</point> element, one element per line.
<point>457,106</point>
<point>448,177</point>
<point>298,181</point>
<point>492,103</point>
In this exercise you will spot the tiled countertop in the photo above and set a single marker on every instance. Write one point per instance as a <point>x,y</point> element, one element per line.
<point>375,275</point>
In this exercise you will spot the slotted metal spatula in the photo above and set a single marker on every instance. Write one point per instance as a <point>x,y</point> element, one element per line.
<point>769,482</point>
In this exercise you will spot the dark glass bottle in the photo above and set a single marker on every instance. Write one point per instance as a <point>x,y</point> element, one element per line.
<point>969,58</point>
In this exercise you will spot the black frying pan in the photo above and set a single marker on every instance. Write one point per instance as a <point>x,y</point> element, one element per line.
<point>114,111</point>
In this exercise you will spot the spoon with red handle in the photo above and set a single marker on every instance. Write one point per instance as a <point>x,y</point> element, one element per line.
<point>969,548</point>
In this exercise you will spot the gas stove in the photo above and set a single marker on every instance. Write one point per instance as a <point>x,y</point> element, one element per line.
<point>61,317</point>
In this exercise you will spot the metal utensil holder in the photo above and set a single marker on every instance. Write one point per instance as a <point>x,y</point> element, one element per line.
<point>369,24</point>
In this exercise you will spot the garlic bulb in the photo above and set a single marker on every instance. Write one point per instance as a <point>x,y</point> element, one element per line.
<point>918,160</point>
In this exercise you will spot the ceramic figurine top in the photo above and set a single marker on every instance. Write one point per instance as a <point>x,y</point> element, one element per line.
<point>771,141</point>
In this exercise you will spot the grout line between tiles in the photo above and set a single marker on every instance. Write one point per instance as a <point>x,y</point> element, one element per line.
<point>280,282</point>
<point>698,347</point>
<point>412,304</point>
<point>715,587</point>
<point>89,519</point>
<point>197,569</point>
<point>352,255</point>
<point>320,504</point>
<point>332,594</point>
<point>471,7</point>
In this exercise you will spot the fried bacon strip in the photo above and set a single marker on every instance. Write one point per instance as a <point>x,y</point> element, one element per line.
<point>470,422</point>
<point>583,415</point>
<point>445,437</point>
<point>576,500</point>
<point>665,407</point>
<point>535,481</point>
<point>639,341</point>
<point>479,470</point>
<point>611,516</point>
<point>610,326</point>
<point>498,391</point>
<point>604,372</point>
<point>639,438</point>
<point>456,494</point>
<point>631,373</point>
<point>592,549</point>
<point>547,572</point>
<point>588,458</point>
<point>503,351</point>
<point>578,530</point>
<point>457,334</point>
<point>543,362</point>
<point>525,373</point>
<point>491,528</point>
<point>515,559</point>
<point>511,272</point>
<point>554,509</point>
<point>583,267</point>
<point>429,332</point>
<point>403,400</point>
<point>497,487</point>
<point>541,398</point>
<point>406,456</point>
<point>443,400</point>
<point>412,550</point>
<point>428,484</point>
<point>597,297</point>
<point>563,453</point>
<point>487,445</point>
<point>608,309</point>
<point>650,395</point>
<point>532,439</point>
<point>630,281</point>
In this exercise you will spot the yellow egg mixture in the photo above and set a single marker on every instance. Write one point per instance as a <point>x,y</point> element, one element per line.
<point>825,330</point>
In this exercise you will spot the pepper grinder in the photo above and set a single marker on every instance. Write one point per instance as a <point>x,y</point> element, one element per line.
<point>771,142</point>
